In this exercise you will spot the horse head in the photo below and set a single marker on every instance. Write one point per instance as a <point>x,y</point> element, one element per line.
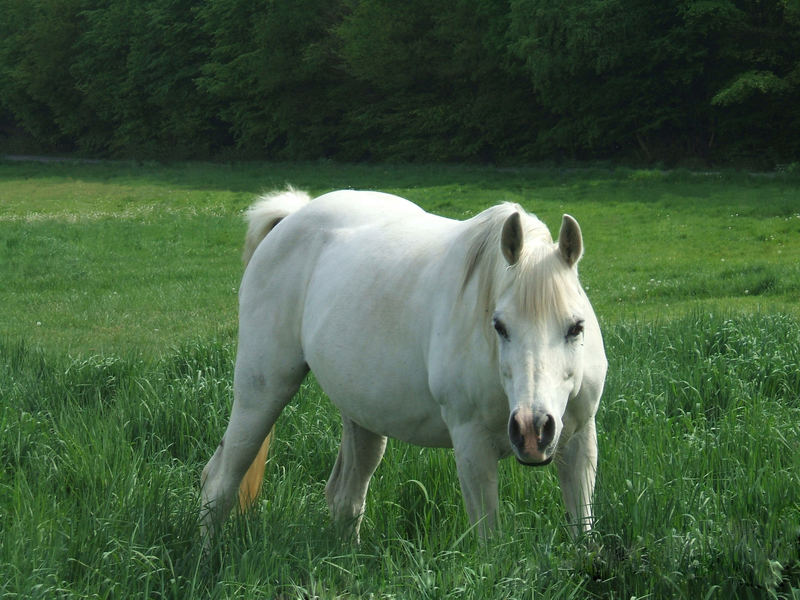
<point>538,320</point>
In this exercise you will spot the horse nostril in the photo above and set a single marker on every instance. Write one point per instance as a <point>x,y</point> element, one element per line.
<point>514,432</point>
<point>547,431</point>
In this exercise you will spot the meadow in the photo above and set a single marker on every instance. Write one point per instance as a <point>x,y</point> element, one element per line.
<point>117,340</point>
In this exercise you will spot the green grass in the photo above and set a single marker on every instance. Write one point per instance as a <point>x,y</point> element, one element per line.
<point>112,404</point>
<point>110,257</point>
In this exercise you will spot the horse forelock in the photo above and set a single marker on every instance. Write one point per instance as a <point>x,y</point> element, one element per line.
<point>542,283</point>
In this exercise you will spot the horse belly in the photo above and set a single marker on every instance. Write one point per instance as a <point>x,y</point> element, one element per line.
<point>374,374</point>
<point>385,406</point>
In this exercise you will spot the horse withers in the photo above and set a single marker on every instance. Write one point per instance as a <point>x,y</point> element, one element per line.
<point>474,335</point>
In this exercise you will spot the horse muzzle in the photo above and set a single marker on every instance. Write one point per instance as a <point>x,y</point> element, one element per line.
<point>532,437</point>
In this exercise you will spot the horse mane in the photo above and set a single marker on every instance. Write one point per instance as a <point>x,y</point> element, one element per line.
<point>543,282</point>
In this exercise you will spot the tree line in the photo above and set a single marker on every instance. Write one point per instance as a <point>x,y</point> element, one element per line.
<point>411,80</point>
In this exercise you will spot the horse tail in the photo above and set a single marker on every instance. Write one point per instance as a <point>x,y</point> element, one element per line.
<point>269,210</point>
<point>262,217</point>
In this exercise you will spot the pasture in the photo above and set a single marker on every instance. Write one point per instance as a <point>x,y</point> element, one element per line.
<point>117,338</point>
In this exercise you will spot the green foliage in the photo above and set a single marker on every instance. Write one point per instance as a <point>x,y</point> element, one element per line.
<point>749,83</point>
<point>271,72</point>
<point>136,65</point>
<point>36,49</point>
<point>371,79</point>
<point>754,71</point>
<point>658,75</point>
<point>439,81</point>
<point>642,60</point>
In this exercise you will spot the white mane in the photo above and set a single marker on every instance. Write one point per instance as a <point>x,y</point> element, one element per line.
<point>543,283</point>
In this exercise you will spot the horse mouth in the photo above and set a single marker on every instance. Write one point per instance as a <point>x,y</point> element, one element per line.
<point>544,463</point>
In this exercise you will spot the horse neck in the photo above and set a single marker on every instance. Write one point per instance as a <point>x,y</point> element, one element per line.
<point>462,342</point>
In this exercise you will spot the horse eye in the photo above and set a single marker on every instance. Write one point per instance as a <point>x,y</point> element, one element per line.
<point>500,328</point>
<point>576,329</point>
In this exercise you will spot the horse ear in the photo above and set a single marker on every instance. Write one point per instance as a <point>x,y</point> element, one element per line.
<point>570,240</point>
<point>511,238</point>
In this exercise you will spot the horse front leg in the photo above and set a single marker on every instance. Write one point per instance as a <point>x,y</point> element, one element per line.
<point>577,467</point>
<point>476,462</point>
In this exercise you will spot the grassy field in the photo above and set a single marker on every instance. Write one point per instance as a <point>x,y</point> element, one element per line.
<point>117,336</point>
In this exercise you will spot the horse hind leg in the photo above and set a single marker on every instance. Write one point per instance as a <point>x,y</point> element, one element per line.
<point>346,491</point>
<point>256,406</point>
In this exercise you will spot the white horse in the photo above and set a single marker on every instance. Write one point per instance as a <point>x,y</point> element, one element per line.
<point>474,335</point>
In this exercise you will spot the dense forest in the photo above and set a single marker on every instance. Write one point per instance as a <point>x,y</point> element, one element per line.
<point>673,81</point>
